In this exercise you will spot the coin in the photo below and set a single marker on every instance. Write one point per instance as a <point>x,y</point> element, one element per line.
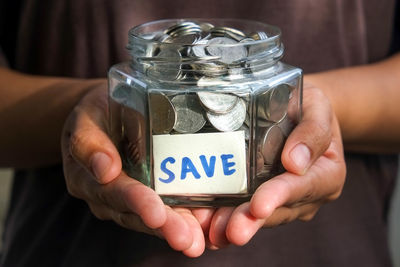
<point>217,102</point>
<point>170,69</point>
<point>258,35</point>
<point>286,125</point>
<point>199,49</point>
<point>206,27</point>
<point>189,114</point>
<point>182,27</point>
<point>162,113</point>
<point>129,97</point>
<point>188,38</point>
<point>272,104</point>
<point>121,93</point>
<point>231,33</point>
<point>230,121</point>
<point>227,54</point>
<point>160,37</point>
<point>272,142</point>
<point>262,102</point>
<point>278,102</point>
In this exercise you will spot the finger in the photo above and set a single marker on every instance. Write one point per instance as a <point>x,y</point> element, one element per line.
<point>125,194</point>
<point>242,225</point>
<point>85,138</point>
<point>127,220</point>
<point>323,181</point>
<point>217,235</point>
<point>204,217</point>
<point>283,215</point>
<point>312,136</point>
<point>198,244</point>
<point>176,231</point>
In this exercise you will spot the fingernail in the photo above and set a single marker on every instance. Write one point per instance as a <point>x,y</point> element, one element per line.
<point>100,164</point>
<point>301,155</point>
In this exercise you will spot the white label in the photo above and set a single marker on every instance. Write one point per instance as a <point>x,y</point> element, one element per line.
<point>205,163</point>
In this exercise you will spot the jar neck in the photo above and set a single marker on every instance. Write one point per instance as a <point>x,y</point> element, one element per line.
<point>213,57</point>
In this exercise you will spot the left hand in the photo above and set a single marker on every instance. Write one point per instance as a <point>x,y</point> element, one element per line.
<point>314,160</point>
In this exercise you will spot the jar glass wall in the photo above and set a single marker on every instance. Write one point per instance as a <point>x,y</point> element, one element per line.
<point>203,110</point>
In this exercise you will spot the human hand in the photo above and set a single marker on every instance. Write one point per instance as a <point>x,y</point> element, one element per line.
<point>314,160</point>
<point>92,170</point>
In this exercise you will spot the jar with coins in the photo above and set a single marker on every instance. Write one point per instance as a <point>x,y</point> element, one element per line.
<point>202,111</point>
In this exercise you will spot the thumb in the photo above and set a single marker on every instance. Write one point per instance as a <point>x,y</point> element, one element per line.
<point>85,138</point>
<point>312,136</point>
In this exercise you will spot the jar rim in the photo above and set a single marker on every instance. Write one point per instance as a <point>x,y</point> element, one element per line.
<point>247,26</point>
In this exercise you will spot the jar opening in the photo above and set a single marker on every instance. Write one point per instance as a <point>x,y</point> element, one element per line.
<point>192,48</point>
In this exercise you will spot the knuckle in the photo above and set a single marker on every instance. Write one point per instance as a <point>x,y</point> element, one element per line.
<point>338,187</point>
<point>75,141</point>
<point>97,212</point>
<point>101,196</point>
<point>309,195</point>
<point>290,217</point>
<point>124,220</point>
<point>334,196</point>
<point>321,133</point>
<point>308,217</point>
<point>316,95</point>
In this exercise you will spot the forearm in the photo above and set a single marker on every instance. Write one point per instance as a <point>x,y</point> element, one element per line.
<point>366,102</point>
<point>32,113</point>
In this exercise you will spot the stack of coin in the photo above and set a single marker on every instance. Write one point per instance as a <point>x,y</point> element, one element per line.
<point>215,50</point>
<point>273,127</point>
<point>189,112</point>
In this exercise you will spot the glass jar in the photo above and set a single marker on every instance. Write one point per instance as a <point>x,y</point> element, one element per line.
<point>202,111</point>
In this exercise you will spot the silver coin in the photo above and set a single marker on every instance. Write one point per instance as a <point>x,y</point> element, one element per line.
<point>189,114</point>
<point>257,48</point>
<point>189,38</point>
<point>258,35</point>
<point>162,113</point>
<point>199,49</point>
<point>246,40</point>
<point>272,105</point>
<point>278,103</point>
<point>232,33</point>
<point>170,69</point>
<point>272,142</point>
<point>262,102</point>
<point>262,122</point>
<point>227,54</point>
<point>183,26</point>
<point>151,35</point>
<point>286,125</point>
<point>206,27</point>
<point>230,121</point>
<point>121,93</point>
<point>217,102</point>
<point>211,81</point>
<point>129,97</point>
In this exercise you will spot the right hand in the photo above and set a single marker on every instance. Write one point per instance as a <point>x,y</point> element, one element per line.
<point>92,170</point>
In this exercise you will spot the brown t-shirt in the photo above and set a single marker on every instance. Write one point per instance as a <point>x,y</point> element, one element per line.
<point>83,38</point>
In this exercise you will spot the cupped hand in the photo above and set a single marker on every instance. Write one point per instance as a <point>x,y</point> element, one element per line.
<point>314,160</point>
<point>92,170</point>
